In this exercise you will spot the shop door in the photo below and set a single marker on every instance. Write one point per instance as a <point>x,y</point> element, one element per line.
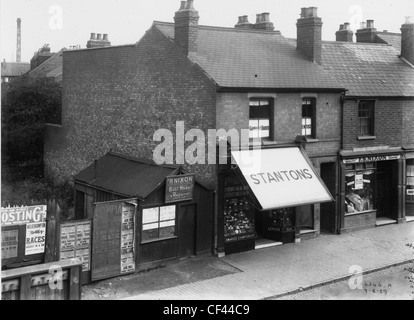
<point>187,231</point>
<point>387,189</point>
<point>328,213</point>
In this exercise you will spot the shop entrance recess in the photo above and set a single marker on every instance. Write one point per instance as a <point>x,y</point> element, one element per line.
<point>387,192</point>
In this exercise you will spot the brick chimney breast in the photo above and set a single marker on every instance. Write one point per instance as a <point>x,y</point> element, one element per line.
<point>263,22</point>
<point>186,27</point>
<point>97,41</point>
<point>344,33</point>
<point>367,32</point>
<point>244,23</point>
<point>309,34</point>
<point>407,40</point>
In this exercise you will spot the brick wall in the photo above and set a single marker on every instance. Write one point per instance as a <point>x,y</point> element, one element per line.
<point>116,98</point>
<point>233,112</point>
<point>390,121</point>
<point>408,122</point>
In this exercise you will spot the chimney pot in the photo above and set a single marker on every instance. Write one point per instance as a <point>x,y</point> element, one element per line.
<point>183,5</point>
<point>105,37</point>
<point>313,12</point>
<point>304,13</point>
<point>245,19</point>
<point>240,19</point>
<point>93,36</point>
<point>363,25</point>
<point>258,18</point>
<point>190,5</point>
<point>265,17</point>
<point>347,26</point>
<point>341,27</point>
<point>409,20</point>
<point>99,36</point>
<point>370,23</point>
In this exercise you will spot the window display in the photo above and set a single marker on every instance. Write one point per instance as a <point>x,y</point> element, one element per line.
<point>410,180</point>
<point>360,186</point>
<point>238,220</point>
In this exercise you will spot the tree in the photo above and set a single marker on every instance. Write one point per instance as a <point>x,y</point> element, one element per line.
<point>27,104</point>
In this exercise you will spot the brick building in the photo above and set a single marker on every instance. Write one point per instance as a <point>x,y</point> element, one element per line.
<point>246,77</point>
<point>378,135</point>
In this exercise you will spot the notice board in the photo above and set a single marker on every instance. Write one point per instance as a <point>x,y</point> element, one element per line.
<point>75,242</point>
<point>113,248</point>
<point>23,234</point>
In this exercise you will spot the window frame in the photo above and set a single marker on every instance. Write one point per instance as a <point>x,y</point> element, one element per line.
<point>369,106</point>
<point>270,104</point>
<point>159,221</point>
<point>312,117</point>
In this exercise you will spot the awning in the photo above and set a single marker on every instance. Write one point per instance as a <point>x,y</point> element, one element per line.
<point>281,177</point>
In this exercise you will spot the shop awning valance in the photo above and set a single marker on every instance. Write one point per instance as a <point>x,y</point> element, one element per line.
<point>281,177</point>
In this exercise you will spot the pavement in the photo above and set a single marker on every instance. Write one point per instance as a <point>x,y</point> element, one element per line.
<point>267,273</point>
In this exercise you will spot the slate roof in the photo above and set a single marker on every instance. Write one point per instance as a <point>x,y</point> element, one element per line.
<point>52,67</point>
<point>393,39</point>
<point>14,69</point>
<point>238,58</point>
<point>125,175</point>
<point>368,69</point>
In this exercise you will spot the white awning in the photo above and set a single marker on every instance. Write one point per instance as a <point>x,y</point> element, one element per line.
<point>281,177</point>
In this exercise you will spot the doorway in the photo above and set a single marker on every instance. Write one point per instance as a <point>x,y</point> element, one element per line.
<point>387,190</point>
<point>187,231</point>
<point>328,212</point>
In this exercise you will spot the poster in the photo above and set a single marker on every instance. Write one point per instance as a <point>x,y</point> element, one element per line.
<point>359,181</point>
<point>35,238</point>
<point>9,241</point>
<point>22,215</point>
<point>127,238</point>
<point>75,242</point>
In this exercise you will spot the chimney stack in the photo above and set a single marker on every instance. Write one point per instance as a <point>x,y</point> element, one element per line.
<point>186,27</point>
<point>344,33</point>
<point>367,32</point>
<point>407,40</point>
<point>309,34</point>
<point>263,22</point>
<point>19,41</point>
<point>96,41</point>
<point>244,23</point>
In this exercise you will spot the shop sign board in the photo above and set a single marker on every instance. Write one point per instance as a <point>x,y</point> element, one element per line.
<point>371,159</point>
<point>179,188</point>
<point>281,177</point>
<point>22,215</point>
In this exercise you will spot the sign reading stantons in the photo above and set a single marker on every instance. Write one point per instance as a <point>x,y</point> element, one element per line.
<point>179,188</point>
<point>281,177</point>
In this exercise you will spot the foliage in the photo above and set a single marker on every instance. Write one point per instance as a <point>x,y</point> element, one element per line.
<point>27,104</point>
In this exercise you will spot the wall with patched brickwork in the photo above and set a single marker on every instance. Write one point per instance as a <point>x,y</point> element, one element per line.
<point>115,98</point>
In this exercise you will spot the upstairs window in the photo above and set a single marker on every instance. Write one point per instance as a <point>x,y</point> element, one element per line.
<point>260,118</point>
<point>309,117</point>
<point>366,118</point>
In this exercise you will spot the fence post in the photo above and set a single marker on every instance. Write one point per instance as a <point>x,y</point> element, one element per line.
<point>52,231</point>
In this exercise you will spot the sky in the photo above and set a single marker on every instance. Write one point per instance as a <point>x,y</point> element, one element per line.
<point>65,23</point>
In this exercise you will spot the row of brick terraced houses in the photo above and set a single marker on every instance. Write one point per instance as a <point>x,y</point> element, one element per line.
<point>341,111</point>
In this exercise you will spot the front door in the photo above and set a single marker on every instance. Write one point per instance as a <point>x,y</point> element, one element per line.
<point>187,231</point>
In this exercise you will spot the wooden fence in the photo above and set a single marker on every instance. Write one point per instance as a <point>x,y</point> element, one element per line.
<point>58,280</point>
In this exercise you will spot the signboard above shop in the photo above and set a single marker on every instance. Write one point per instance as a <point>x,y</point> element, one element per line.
<point>281,177</point>
<point>179,188</point>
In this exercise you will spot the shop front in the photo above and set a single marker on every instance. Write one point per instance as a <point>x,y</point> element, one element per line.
<point>409,180</point>
<point>265,194</point>
<point>372,188</point>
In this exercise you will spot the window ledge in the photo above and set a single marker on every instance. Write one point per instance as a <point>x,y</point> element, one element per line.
<point>367,137</point>
<point>158,240</point>
<point>305,139</point>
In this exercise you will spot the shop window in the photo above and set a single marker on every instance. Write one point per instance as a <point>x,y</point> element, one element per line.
<point>238,219</point>
<point>410,180</point>
<point>260,120</point>
<point>158,223</point>
<point>366,118</point>
<point>359,188</point>
<point>309,117</point>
